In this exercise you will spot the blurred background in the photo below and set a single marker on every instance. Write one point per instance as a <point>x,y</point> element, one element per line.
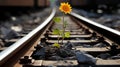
<point>16,15</point>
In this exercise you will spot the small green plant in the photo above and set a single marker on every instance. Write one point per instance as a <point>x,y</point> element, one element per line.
<point>64,8</point>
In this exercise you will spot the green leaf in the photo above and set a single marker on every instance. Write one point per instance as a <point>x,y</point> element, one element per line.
<point>56,31</point>
<point>67,34</point>
<point>56,45</point>
<point>57,19</point>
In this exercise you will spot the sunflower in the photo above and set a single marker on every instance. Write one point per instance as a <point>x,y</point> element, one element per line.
<point>65,7</point>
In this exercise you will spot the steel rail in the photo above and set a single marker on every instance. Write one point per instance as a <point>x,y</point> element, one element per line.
<point>109,33</point>
<point>7,53</point>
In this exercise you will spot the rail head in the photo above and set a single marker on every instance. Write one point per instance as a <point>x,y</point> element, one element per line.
<point>7,53</point>
<point>109,33</point>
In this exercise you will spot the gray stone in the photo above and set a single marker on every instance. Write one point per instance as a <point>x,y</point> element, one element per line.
<point>85,58</point>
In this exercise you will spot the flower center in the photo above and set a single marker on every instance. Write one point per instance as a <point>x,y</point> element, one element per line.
<point>65,8</point>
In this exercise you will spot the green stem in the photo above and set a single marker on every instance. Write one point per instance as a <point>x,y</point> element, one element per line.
<point>63,29</point>
<point>58,38</point>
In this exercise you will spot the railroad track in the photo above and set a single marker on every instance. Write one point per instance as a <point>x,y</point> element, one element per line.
<point>88,39</point>
<point>8,42</point>
<point>20,27</point>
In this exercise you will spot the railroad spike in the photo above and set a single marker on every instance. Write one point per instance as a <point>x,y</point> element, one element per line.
<point>26,60</point>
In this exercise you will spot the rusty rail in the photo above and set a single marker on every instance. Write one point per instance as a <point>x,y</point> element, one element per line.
<point>109,33</point>
<point>10,51</point>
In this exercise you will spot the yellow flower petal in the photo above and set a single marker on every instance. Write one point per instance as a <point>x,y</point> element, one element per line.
<point>65,7</point>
